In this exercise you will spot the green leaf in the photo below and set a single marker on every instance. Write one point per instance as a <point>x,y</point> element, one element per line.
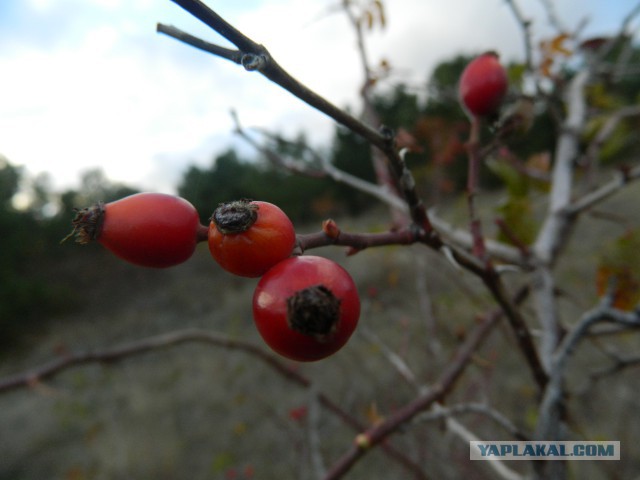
<point>517,213</point>
<point>517,184</point>
<point>515,73</point>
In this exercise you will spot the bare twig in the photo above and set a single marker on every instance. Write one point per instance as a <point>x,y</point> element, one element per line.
<point>323,168</point>
<point>255,57</point>
<point>477,408</point>
<point>462,238</point>
<point>549,420</point>
<point>589,200</point>
<point>558,223</point>
<point>552,16</point>
<point>36,375</point>
<point>593,151</point>
<point>369,114</point>
<point>139,347</point>
<point>462,432</point>
<point>313,427</point>
<point>234,56</point>
<point>619,364</point>
<point>473,177</point>
<point>525,25</point>
<point>357,241</point>
<point>378,433</point>
<point>518,324</point>
<point>395,360</point>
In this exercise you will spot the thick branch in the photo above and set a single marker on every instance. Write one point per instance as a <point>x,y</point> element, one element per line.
<point>557,224</point>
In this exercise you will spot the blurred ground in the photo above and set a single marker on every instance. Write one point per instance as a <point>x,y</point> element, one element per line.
<point>199,412</point>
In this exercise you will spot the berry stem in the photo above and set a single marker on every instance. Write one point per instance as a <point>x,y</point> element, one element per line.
<point>473,180</point>
<point>202,234</point>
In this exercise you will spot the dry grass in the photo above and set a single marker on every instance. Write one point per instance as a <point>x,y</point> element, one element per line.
<point>195,412</point>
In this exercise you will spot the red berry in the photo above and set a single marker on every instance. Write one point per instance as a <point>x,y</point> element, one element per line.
<point>483,85</point>
<point>146,229</point>
<point>248,238</point>
<point>306,308</point>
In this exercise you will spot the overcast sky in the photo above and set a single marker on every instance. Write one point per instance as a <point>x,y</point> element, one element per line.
<point>88,83</point>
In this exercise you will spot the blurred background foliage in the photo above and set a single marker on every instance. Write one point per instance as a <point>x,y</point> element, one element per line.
<point>33,218</point>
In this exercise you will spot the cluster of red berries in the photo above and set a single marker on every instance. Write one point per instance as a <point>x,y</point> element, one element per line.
<point>305,307</point>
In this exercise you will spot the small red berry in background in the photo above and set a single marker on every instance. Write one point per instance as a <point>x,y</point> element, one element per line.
<point>483,85</point>
<point>248,238</point>
<point>146,229</point>
<point>298,414</point>
<point>306,308</point>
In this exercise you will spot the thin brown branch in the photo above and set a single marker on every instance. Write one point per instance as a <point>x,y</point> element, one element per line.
<point>256,57</point>
<point>377,434</point>
<point>552,16</point>
<point>592,154</point>
<point>607,130</point>
<point>370,116</point>
<point>119,353</point>
<point>525,26</point>
<point>357,241</point>
<point>619,364</point>
<point>139,347</point>
<point>473,178</point>
<point>549,418</point>
<point>462,238</point>
<point>479,409</point>
<point>322,168</point>
<point>519,326</point>
<point>229,54</point>
<point>589,200</point>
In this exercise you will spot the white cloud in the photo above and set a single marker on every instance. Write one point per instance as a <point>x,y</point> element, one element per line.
<point>103,89</point>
